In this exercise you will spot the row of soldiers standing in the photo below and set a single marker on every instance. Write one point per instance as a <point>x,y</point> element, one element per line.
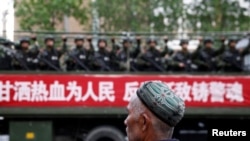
<point>130,56</point>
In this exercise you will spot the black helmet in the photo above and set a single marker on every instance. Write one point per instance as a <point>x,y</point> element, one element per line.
<point>151,39</point>
<point>208,40</point>
<point>102,39</point>
<point>3,40</point>
<point>233,39</point>
<point>126,39</point>
<point>79,37</point>
<point>183,41</point>
<point>24,39</point>
<point>49,37</point>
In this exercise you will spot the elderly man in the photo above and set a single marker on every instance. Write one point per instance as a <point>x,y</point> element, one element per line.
<point>153,113</point>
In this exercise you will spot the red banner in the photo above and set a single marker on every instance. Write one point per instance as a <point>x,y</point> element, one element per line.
<point>115,90</point>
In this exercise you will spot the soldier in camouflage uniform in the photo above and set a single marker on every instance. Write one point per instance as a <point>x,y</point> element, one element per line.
<point>182,60</point>
<point>104,59</point>
<point>206,57</point>
<point>127,55</point>
<point>232,58</point>
<point>49,57</point>
<point>24,59</point>
<point>79,58</point>
<point>150,59</point>
<point>5,54</point>
<point>166,54</point>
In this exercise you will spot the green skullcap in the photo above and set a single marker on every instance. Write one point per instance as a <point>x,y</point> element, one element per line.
<point>162,101</point>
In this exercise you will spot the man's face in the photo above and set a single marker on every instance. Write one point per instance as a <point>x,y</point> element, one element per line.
<point>184,46</point>
<point>127,44</point>
<point>79,43</point>
<point>50,43</point>
<point>102,44</point>
<point>25,45</point>
<point>232,44</point>
<point>132,125</point>
<point>209,44</point>
<point>152,44</point>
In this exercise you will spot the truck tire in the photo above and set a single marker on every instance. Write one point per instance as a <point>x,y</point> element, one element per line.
<point>105,133</point>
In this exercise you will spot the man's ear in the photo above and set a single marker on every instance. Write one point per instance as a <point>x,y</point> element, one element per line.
<point>144,121</point>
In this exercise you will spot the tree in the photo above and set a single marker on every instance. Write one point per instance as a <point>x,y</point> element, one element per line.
<point>46,14</point>
<point>139,15</point>
<point>217,15</point>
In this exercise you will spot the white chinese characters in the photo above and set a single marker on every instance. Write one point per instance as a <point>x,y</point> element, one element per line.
<point>106,91</point>
<point>39,91</point>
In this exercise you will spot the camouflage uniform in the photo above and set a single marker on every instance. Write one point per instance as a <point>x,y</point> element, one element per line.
<point>5,54</point>
<point>49,57</point>
<point>206,57</point>
<point>151,60</point>
<point>103,59</point>
<point>24,58</point>
<point>127,55</point>
<point>231,59</point>
<point>79,58</point>
<point>181,60</point>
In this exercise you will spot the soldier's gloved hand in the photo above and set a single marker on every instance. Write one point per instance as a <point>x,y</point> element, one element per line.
<point>33,37</point>
<point>138,39</point>
<point>165,39</point>
<point>113,40</point>
<point>181,65</point>
<point>200,39</point>
<point>89,39</point>
<point>64,38</point>
<point>222,39</point>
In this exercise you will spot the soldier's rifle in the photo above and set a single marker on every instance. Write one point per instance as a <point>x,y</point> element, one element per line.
<point>15,54</point>
<point>43,59</point>
<point>155,64</point>
<point>78,61</point>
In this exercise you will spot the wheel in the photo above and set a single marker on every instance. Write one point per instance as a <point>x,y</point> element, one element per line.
<point>105,133</point>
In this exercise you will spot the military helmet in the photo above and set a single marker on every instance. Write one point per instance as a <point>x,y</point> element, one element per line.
<point>24,39</point>
<point>233,39</point>
<point>126,39</point>
<point>3,40</point>
<point>183,41</point>
<point>49,37</point>
<point>79,37</point>
<point>102,39</point>
<point>151,39</point>
<point>208,40</point>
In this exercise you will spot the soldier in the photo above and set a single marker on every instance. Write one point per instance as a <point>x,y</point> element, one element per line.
<point>127,54</point>
<point>231,59</point>
<point>23,57</point>
<point>104,60</point>
<point>115,47</point>
<point>34,47</point>
<point>5,54</point>
<point>49,57</point>
<point>206,57</point>
<point>150,59</point>
<point>79,58</point>
<point>90,46</point>
<point>181,60</point>
<point>166,54</point>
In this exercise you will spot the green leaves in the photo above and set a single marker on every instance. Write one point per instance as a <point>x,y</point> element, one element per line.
<point>46,14</point>
<point>137,15</point>
<point>218,15</point>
